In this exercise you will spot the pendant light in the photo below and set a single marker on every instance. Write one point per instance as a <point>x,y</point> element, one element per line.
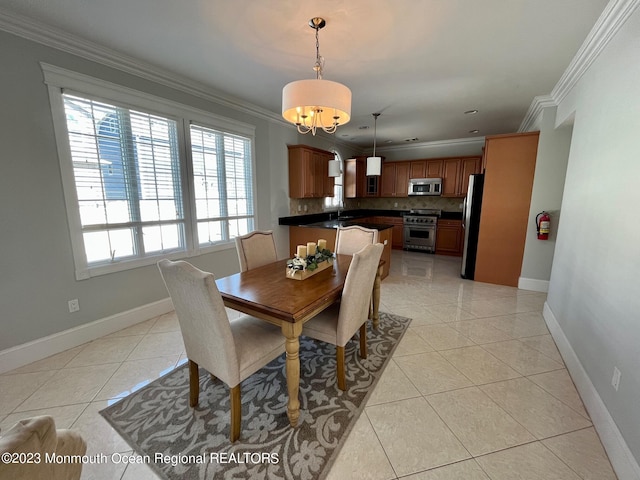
<point>313,104</point>
<point>374,164</point>
<point>334,168</point>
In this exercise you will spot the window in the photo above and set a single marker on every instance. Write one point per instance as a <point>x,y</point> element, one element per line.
<point>336,201</point>
<point>222,184</point>
<point>126,171</point>
<point>146,178</point>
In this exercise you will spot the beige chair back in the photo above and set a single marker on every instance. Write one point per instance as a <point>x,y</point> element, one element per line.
<point>356,295</point>
<point>256,249</point>
<point>38,435</point>
<point>350,240</point>
<point>203,320</point>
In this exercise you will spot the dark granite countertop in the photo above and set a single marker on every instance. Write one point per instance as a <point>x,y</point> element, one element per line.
<point>302,220</point>
<point>328,219</point>
<point>451,216</point>
<point>347,223</point>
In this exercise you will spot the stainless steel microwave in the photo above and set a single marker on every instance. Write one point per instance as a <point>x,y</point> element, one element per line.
<point>425,186</point>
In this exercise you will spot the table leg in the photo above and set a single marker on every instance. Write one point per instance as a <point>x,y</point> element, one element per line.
<point>292,332</point>
<point>376,298</point>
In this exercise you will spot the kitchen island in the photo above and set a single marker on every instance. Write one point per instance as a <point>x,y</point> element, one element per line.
<point>310,232</point>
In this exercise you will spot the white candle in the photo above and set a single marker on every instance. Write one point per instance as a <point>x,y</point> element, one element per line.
<point>322,244</point>
<point>301,251</point>
<point>311,248</point>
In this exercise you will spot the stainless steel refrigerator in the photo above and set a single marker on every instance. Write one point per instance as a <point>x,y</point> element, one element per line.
<point>471,224</point>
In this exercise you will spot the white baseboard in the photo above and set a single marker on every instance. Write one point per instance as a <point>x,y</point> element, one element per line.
<point>35,350</point>
<point>622,460</point>
<point>533,284</point>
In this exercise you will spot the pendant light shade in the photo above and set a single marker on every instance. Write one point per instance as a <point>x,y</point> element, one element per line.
<point>316,103</point>
<point>374,164</point>
<point>334,168</point>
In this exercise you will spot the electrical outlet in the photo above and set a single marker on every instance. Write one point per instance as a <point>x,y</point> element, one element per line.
<point>74,305</point>
<point>305,208</point>
<point>299,208</point>
<point>615,381</point>
<point>395,204</point>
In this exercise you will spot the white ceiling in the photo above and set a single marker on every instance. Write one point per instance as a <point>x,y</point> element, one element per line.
<point>421,63</point>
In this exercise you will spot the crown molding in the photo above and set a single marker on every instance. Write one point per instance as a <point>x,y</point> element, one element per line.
<point>612,18</point>
<point>473,141</point>
<point>53,37</point>
<point>532,118</point>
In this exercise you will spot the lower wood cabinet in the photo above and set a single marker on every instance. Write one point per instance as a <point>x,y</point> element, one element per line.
<point>449,238</point>
<point>397,236</point>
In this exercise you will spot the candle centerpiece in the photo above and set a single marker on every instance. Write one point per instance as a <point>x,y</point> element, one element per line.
<point>309,260</point>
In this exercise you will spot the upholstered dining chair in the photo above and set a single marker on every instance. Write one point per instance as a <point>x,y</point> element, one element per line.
<point>350,240</point>
<point>38,435</point>
<point>230,351</point>
<point>338,323</point>
<point>256,249</point>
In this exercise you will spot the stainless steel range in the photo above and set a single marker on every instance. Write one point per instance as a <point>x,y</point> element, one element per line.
<point>420,230</point>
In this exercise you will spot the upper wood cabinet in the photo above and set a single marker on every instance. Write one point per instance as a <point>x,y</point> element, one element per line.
<point>354,178</point>
<point>309,172</point>
<point>470,166</point>
<point>417,169</point>
<point>455,175</point>
<point>451,177</point>
<point>434,168</point>
<point>356,182</point>
<point>394,181</point>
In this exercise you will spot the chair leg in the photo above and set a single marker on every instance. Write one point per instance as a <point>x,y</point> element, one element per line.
<point>194,384</point>
<point>363,340</point>
<point>236,413</point>
<point>342,380</point>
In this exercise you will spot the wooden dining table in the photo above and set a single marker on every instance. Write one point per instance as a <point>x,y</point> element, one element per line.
<point>268,294</point>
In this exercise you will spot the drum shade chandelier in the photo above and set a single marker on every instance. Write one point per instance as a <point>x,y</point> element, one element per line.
<point>374,164</point>
<point>316,103</point>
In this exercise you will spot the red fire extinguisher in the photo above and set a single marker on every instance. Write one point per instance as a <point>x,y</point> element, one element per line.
<point>543,223</point>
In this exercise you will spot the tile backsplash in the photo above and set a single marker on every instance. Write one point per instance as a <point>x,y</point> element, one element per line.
<point>316,205</point>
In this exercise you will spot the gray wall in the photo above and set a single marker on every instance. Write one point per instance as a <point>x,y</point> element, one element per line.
<point>594,291</point>
<point>548,185</point>
<point>36,260</point>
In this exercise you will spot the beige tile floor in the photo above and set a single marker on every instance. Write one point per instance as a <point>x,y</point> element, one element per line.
<point>476,390</point>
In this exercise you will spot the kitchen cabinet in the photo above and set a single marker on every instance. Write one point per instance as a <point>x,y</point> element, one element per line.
<point>449,237</point>
<point>455,175</point>
<point>470,166</point>
<point>397,235</point>
<point>451,177</point>
<point>394,180</point>
<point>508,182</point>
<point>434,168</point>
<point>417,169</point>
<point>397,240</point>
<point>356,183</point>
<point>431,168</point>
<point>354,177</point>
<point>309,172</point>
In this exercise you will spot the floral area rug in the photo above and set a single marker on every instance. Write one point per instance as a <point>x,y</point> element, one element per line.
<point>180,442</point>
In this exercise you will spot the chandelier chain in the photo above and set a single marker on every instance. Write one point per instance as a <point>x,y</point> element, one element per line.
<point>319,60</point>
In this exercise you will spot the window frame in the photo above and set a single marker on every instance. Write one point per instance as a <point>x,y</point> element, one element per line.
<point>59,81</point>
